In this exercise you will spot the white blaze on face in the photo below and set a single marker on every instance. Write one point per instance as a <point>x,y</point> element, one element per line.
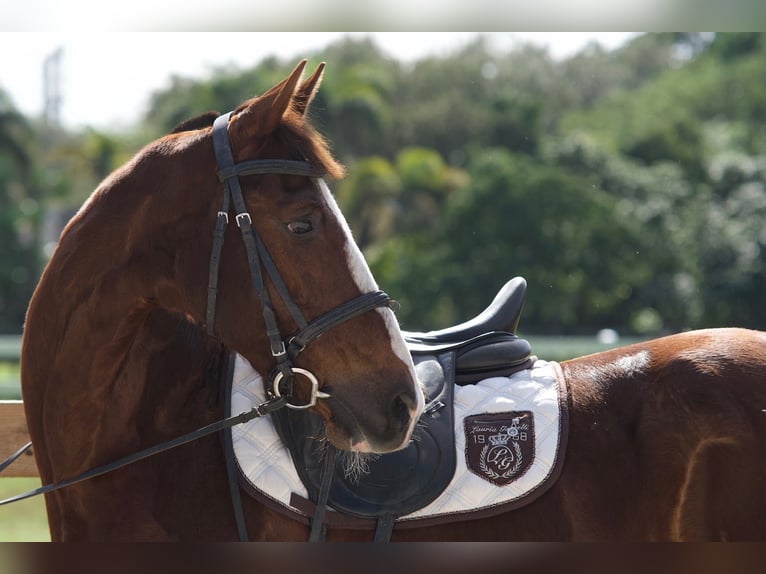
<point>366,283</point>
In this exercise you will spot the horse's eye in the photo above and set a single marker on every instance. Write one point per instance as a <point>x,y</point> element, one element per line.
<point>300,227</point>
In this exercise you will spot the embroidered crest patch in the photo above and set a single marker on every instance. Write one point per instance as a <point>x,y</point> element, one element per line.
<point>500,447</point>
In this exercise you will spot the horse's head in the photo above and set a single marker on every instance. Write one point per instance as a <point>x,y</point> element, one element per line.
<point>369,396</point>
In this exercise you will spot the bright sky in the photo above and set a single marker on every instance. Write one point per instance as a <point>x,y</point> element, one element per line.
<point>107,78</point>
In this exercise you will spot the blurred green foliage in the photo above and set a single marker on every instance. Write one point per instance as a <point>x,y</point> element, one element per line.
<point>628,187</point>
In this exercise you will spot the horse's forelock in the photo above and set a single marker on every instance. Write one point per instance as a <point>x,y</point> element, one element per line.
<point>300,135</point>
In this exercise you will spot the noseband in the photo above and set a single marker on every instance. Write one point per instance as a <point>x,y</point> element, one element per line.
<point>284,350</point>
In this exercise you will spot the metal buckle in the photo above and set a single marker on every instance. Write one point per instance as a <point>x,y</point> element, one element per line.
<point>281,352</point>
<point>315,392</point>
<point>224,215</point>
<point>297,348</point>
<point>243,216</point>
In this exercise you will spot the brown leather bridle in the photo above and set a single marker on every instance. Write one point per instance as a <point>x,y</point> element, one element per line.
<point>284,350</point>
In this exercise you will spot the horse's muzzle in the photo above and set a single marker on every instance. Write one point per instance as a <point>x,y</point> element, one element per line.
<point>373,425</point>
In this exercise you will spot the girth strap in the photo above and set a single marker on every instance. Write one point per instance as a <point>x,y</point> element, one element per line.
<point>318,527</point>
<point>384,526</point>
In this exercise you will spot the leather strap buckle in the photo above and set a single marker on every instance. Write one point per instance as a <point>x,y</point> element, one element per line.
<point>243,216</point>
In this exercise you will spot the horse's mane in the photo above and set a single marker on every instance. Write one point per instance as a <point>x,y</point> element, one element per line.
<point>196,123</point>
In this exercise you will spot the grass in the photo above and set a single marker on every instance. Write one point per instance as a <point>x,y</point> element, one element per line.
<point>23,521</point>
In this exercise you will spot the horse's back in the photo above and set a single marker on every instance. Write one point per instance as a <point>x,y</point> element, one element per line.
<point>668,438</point>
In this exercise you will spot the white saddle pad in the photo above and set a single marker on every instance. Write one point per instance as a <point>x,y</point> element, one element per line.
<point>484,477</point>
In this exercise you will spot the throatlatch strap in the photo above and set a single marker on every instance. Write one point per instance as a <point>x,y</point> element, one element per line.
<point>215,261</point>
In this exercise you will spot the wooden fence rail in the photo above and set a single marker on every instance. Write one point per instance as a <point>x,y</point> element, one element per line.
<point>13,435</point>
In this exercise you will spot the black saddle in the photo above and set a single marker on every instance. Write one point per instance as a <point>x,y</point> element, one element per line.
<point>486,345</point>
<point>502,314</point>
<point>404,481</point>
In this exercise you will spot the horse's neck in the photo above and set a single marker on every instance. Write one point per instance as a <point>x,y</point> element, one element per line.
<point>115,262</point>
<point>89,341</point>
<point>101,298</point>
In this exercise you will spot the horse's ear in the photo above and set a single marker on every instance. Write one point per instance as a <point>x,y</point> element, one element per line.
<point>308,90</point>
<point>262,115</point>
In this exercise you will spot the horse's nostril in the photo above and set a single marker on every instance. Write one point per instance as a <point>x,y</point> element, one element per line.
<point>403,405</point>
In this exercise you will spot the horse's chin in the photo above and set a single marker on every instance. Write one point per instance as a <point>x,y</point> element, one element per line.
<point>355,464</point>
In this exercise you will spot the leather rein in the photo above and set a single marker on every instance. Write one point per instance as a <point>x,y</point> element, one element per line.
<point>284,350</point>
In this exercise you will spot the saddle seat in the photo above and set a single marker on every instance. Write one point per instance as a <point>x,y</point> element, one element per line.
<point>502,314</point>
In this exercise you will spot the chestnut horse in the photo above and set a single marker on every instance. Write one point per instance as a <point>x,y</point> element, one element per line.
<point>666,437</point>
<point>149,263</point>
